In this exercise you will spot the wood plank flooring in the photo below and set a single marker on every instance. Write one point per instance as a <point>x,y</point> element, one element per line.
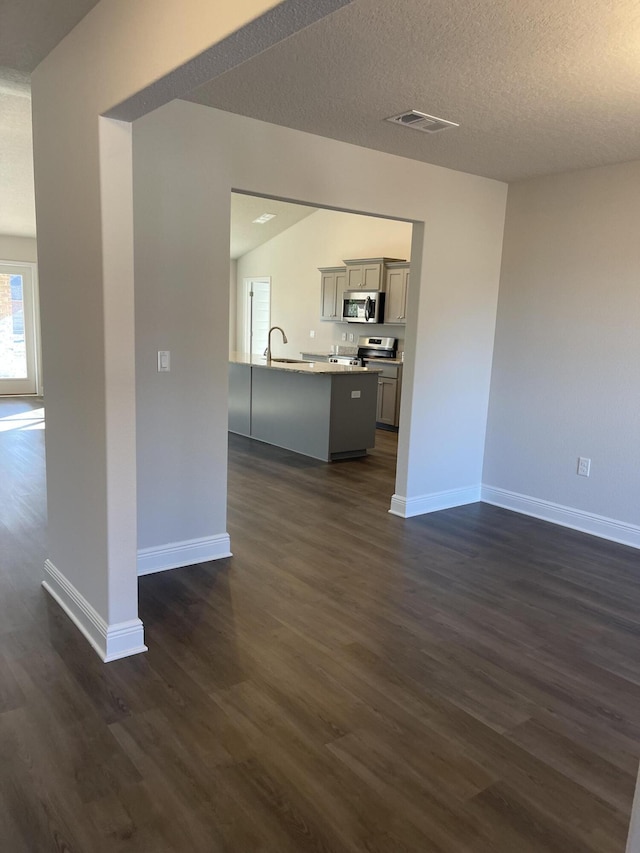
<point>464,682</point>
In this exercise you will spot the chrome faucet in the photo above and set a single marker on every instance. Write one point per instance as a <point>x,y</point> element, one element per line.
<point>267,351</point>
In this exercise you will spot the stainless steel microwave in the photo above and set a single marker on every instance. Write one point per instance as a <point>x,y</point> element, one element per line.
<point>363,306</point>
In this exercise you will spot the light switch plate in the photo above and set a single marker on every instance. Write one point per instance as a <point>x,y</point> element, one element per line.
<point>164,361</point>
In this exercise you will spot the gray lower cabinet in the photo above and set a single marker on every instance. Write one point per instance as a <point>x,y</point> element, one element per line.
<point>323,415</point>
<point>389,390</point>
<point>240,399</point>
<point>387,401</point>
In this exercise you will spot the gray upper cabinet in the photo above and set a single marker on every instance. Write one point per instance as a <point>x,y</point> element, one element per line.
<point>367,273</point>
<point>397,288</point>
<point>332,283</point>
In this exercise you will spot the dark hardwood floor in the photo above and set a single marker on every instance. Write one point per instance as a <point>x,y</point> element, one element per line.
<point>348,681</point>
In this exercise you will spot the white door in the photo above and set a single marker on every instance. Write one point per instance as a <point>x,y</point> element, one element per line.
<point>257,314</point>
<point>18,361</point>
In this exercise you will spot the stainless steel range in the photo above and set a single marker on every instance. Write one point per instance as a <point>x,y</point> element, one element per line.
<point>372,346</point>
<point>369,346</point>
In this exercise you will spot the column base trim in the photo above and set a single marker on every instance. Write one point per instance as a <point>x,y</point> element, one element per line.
<point>176,555</point>
<point>423,504</point>
<point>110,642</point>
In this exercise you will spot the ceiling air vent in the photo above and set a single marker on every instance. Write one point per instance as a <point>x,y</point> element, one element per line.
<point>422,121</point>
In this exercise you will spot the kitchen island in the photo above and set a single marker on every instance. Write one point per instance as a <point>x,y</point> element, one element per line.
<point>326,411</point>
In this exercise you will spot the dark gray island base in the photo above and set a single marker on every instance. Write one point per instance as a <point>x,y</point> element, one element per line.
<point>325,411</point>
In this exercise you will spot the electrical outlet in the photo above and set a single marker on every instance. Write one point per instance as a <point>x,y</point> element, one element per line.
<point>312,334</point>
<point>344,336</point>
<point>584,466</point>
<point>351,337</point>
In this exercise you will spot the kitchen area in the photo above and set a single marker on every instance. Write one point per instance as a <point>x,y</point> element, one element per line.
<point>326,374</point>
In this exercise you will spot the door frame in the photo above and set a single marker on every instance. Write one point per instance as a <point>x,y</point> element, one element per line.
<point>243,322</point>
<point>34,325</point>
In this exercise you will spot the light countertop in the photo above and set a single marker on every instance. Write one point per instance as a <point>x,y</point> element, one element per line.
<point>313,367</point>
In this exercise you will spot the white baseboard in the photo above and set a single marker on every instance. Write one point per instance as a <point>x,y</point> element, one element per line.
<point>187,553</point>
<point>566,516</point>
<point>408,507</point>
<point>111,642</point>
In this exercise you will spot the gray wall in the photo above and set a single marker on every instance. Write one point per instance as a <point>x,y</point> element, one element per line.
<point>566,370</point>
<point>187,160</point>
<point>140,57</point>
<point>181,306</point>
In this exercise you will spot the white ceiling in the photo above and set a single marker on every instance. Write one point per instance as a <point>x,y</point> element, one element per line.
<point>538,86</point>
<point>246,234</point>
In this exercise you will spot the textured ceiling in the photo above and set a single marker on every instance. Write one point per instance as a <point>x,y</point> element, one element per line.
<point>538,86</point>
<point>246,234</point>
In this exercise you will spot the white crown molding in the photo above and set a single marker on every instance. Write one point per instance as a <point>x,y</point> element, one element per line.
<point>111,642</point>
<point>565,516</point>
<point>187,553</point>
<point>408,507</point>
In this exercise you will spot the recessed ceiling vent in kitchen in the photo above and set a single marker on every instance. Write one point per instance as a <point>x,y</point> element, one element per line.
<point>421,121</point>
